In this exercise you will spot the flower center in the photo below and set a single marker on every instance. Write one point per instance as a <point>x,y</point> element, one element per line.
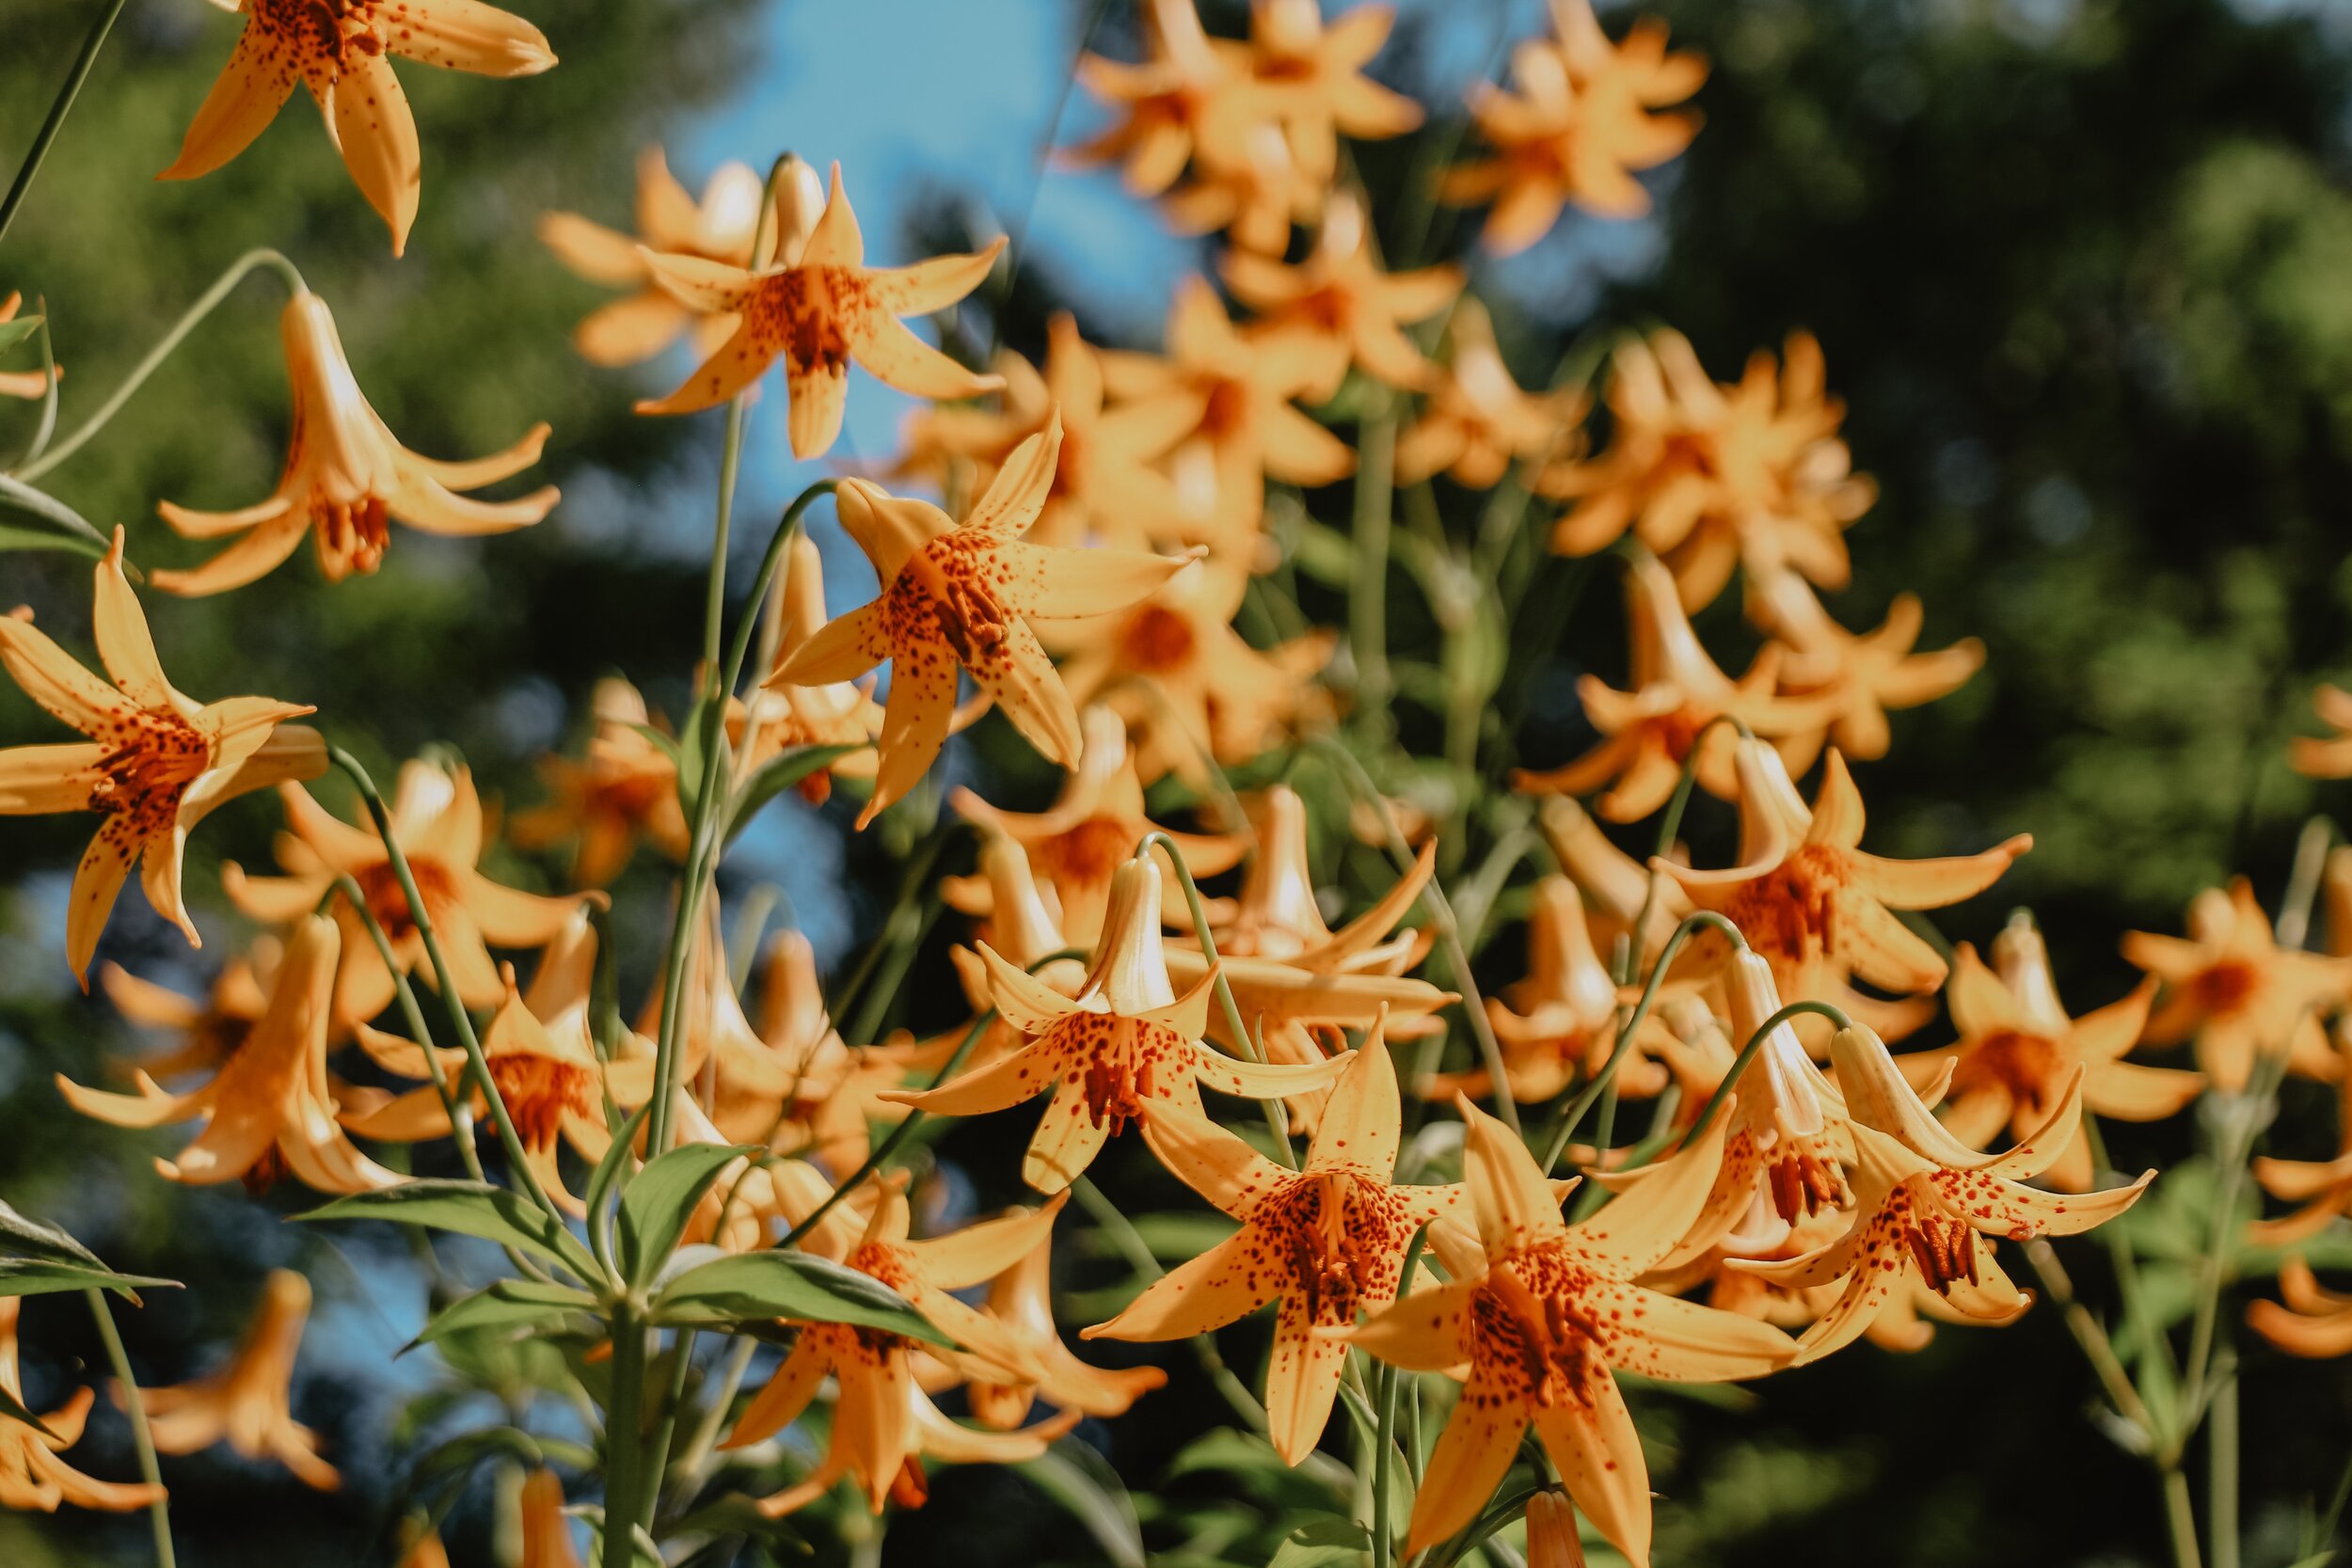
<point>1805,1179</point>
<point>538,1090</point>
<point>380,886</point>
<point>2225,987</point>
<point>946,595</point>
<point>1156,640</point>
<point>1532,1335</point>
<point>1942,1244</point>
<point>351,534</point>
<point>1342,1238</point>
<point>1088,853</point>
<point>805,311</point>
<point>2025,1063</point>
<point>1788,913</point>
<point>156,756</point>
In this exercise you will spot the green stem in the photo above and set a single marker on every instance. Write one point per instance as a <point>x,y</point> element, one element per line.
<point>59,108</point>
<point>621,1432</point>
<point>715,586</point>
<point>705,1434</point>
<point>1277,1115</point>
<point>2179,1521</point>
<point>1747,1054</point>
<point>142,1440</point>
<point>1668,826</point>
<point>1385,1439</point>
<point>665,1431</point>
<point>1368,594</point>
<point>204,305</point>
<point>1440,914</point>
<point>516,1158</point>
<point>2221,1476</point>
<point>460,1117</point>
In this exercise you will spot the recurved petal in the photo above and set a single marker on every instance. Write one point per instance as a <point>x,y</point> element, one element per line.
<point>378,137</point>
<point>38,779</point>
<point>933,285</point>
<point>251,89</point>
<point>1226,1283</point>
<point>1211,1161</point>
<point>1052,583</point>
<point>914,723</point>
<point>466,35</point>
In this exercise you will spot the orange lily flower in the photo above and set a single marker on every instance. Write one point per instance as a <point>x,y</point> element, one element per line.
<point>1713,477</point>
<point>1817,906</point>
<point>1079,842</point>
<point>1905,1323</point>
<point>347,477</point>
<point>1125,1042</point>
<point>1185,99</point>
<point>2325,758</point>
<point>33,1480</point>
<point>963,593</point>
<point>819,309</point>
<point>546,1529</point>
<point>1540,1329</point>
<point>1338,305</point>
<point>1313,75</point>
<point>425,1548</point>
<point>882,1422</point>
<point>625,788</point>
<point>1619,886</point>
<point>1676,691</point>
<point>1871,672</point>
<point>1022,1299</point>
<point>1231,394</point>
<point>245,1403</point>
<point>155,762</point>
<point>1277,916</point>
<point>1018,918</point>
<point>2314,1323</point>
<point>21,384</point>
<point>436,818</point>
<point>343,55</point>
<point>1187,683</point>
<point>270,1110</point>
<point>2324,1187</point>
<point>209,1031</point>
<point>1476,419</point>
<point>783,714</point>
<point>2018,1050</point>
<point>719,228</point>
<point>2238,992</point>
<point>1924,1204</point>
<point>1103,490</point>
<point>1582,120</point>
<point>1326,1240</point>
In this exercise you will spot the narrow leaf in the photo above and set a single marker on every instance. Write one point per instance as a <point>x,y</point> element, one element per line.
<point>20,1234</point>
<point>467,1209</point>
<point>33,519</point>
<point>777,774</point>
<point>19,330</point>
<point>41,1276</point>
<point>509,1303</point>
<point>755,1286</point>
<point>662,1197</point>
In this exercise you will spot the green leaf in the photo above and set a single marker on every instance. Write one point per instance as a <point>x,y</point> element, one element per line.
<point>41,1276</point>
<point>19,330</point>
<point>1094,1495</point>
<point>660,1200</point>
<point>762,1285</point>
<point>33,519</point>
<point>610,1172</point>
<point>1326,554</point>
<point>32,1237</point>
<point>468,1208</point>
<point>509,1303</point>
<point>1332,1543</point>
<point>12,1409</point>
<point>776,775</point>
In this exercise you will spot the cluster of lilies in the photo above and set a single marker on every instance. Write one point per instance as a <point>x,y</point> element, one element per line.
<point>1106,517</point>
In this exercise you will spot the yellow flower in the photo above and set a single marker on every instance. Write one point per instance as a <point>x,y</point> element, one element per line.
<point>1818,908</point>
<point>1185,681</point>
<point>1924,1204</point>
<point>719,228</point>
<point>1620,887</point>
<point>1022,1299</point>
<point>2238,992</point>
<point>1338,305</point>
<point>1580,124</point>
<point>963,594</point>
<point>783,714</point>
<point>2327,758</point>
<point>347,479</point>
<point>209,1031</point>
<point>1676,693</point>
<point>436,818</point>
<point>2018,1050</point>
<point>270,1110</point>
<point>155,762</point>
<point>1868,673</point>
<point>546,1529</point>
<point>626,787</point>
<point>1326,1240</point>
<point>2314,1323</point>
<point>1186,97</point>
<point>33,1480</point>
<point>1538,1332</point>
<point>1313,77</point>
<point>882,1422</point>
<point>21,384</point>
<point>341,49</point>
<point>2324,1187</point>
<point>819,309</point>
<point>245,1404</point>
<point>1104,489</point>
<point>1127,1041</point>
<point>1276,914</point>
<point>1476,419</point>
<point>1230,396</point>
<point>1080,842</point>
<point>1713,477</point>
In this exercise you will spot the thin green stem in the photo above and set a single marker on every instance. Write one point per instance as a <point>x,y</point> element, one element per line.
<point>51,124</point>
<point>189,320</point>
<point>1277,1115</point>
<point>1368,594</point>
<point>2179,1521</point>
<point>1747,1054</point>
<point>1385,1438</point>
<point>622,1429</point>
<point>460,1116</point>
<point>665,1430</point>
<point>1668,826</point>
<point>142,1440</point>
<point>705,1437</point>
<point>715,585</point>
<point>787,528</point>
<point>2221,1474</point>
<point>518,1159</point>
<point>2097,1348</point>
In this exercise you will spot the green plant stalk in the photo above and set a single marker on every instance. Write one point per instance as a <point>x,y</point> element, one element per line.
<point>165,346</point>
<point>1277,1117</point>
<point>2097,1348</point>
<point>1440,914</point>
<point>460,1117</point>
<point>2126,1267</point>
<point>53,121</point>
<point>1368,594</point>
<point>1603,1080</point>
<point>657,1462</point>
<point>1383,1549</point>
<point>516,1158</point>
<point>875,1007</point>
<point>1668,826</point>
<point>1747,1054</point>
<point>2179,1521</point>
<point>1137,1252</point>
<point>142,1440</point>
<point>621,1430</point>
<point>2222,1479</point>
<point>705,1437</point>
